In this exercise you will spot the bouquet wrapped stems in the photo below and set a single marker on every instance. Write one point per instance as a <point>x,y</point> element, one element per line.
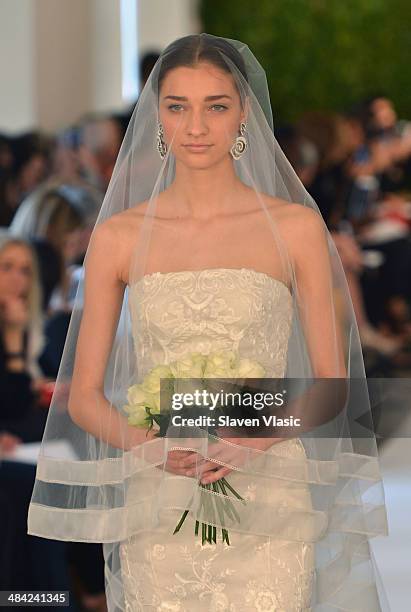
<point>143,410</point>
<point>209,532</point>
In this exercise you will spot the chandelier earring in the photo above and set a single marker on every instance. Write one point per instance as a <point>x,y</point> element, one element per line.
<point>240,144</point>
<point>161,145</point>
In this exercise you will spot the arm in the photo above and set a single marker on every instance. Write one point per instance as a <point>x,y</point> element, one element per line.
<point>309,250</point>
<point>318,307</point>
<point>321,318</point>
<point>103,296</point>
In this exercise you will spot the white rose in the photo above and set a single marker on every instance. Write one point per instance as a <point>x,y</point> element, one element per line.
<point>191,366</point>
<point>151,383</point>
<point>139,398</point>
<point>135,395</point>
<point>137,415</point>
<point>220,364</point>
<point>249,369</point>
<point>225,359</point>
<point>199,361</point>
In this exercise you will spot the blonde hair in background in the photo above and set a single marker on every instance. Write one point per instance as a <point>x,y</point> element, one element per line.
<point>35,325</point>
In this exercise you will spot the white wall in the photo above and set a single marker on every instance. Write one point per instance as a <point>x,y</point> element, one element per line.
<point>105,69</point>
<point>62,58</point>
<point>63,65</point>
<point>162,21</point>
<point>17,83</point>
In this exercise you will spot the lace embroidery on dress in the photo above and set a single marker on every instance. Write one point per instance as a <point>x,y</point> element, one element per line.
<point>207,310</point>
<point>213,309</point>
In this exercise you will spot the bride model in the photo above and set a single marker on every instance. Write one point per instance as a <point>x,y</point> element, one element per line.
<point>210,260</point>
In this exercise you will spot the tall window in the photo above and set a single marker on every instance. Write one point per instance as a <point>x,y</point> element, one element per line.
<point>129,50</point>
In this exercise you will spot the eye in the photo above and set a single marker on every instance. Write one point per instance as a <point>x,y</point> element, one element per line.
<point>175,107</point>
<point>26,271</point>
<point>219,107</point>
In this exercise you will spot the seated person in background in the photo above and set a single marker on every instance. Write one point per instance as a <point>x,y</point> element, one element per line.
<point>320,150</point>
<point>21,339</point>
<point>28,562</point>
<point>53,225</point>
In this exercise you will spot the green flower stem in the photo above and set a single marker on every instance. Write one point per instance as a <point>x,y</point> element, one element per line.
<point>221,515</point>
<point>208,510</point>
<point>229,506</point>
<point>233,491</point>
<point>181,521</point>
<point>208,531</point>
<point>211,528</point>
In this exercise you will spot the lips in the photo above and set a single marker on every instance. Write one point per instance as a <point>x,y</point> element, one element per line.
<point>197,147</point>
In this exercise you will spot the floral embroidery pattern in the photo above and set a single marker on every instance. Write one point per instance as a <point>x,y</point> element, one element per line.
<point>226,309</point>
<point>213,309</point>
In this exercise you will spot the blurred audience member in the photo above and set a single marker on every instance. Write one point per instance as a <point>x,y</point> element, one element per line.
<point>301,153</point>
<point>21,340</point>
<point>98,149</point>
<point>24,166</point>
<point>389,142</point>
<point>334,145</point>
<point>20,297</point>
<point>53,225</point>
<point>146,65</point>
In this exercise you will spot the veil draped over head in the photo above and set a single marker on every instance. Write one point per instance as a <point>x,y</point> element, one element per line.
<point>88,465</point>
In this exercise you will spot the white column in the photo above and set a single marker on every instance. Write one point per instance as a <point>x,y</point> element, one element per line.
<point>162,21</point>
<point>60,59</point>
<point>105,73</point>
<point>63,65</point>
<point>17,98</point>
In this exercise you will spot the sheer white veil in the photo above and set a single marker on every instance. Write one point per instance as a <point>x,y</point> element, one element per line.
<point>82,479</point>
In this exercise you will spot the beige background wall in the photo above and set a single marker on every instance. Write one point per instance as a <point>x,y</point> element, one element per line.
<point>17,94</point>
<point>62,58</point>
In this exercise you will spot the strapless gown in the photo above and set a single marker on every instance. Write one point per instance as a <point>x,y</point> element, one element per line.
<point>207,310</point>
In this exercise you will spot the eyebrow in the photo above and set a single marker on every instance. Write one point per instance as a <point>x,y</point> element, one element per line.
<point>207,98</point>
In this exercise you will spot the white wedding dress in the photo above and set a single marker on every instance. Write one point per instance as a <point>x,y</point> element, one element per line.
<point>217,309</point>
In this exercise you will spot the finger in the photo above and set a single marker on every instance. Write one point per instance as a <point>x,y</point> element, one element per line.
<point>179,458</point>
<point>215,475</point>
<point>179,453</point>
<point>200,469</point>
<point>178,463</point>
<point>192,460</point>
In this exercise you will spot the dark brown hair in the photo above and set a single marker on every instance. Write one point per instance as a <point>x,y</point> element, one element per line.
<point>191,50</point>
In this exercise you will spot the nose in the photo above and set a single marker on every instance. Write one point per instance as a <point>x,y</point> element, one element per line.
<point>16,280</point>
<point>196,123</point>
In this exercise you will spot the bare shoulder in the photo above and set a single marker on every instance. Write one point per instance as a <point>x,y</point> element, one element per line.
<point>301,227</point>
<point>296,220</point>
<point>291,210</point>
<point>119,222</point>
<point>114,239</point>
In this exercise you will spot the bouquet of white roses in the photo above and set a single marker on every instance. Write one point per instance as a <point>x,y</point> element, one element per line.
<point>143,410</point>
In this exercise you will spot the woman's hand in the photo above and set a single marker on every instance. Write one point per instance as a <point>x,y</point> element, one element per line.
<point>14,313</point>
<point>208,470</point>
<point>174,457</point>
<point>14,319</point>
<point>8,442</point>
<point>193,464</point>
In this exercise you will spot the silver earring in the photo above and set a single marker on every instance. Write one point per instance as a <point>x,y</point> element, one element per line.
<point>240,143</point>
<point>161,145</point>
